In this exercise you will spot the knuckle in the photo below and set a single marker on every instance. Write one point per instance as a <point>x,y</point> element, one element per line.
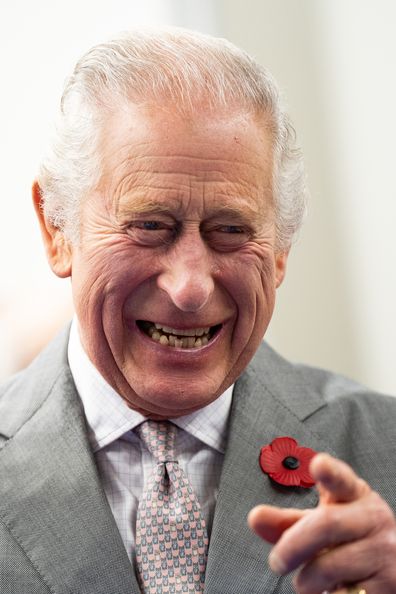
<point>383,552</point>
<point>381,512</point>
<point>362,486</point>
<point>388,543</point>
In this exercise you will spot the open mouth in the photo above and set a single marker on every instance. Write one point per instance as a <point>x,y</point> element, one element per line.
<point>183,339</point>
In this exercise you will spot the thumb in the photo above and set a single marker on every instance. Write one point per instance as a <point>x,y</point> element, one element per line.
<point>271,522</point>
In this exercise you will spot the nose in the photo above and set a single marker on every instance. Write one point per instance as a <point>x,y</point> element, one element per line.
<point>187,276</point>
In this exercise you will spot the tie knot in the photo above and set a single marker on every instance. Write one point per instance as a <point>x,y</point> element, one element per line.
<point>159,438</point>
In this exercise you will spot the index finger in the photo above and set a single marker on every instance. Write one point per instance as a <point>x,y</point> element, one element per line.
<point>336,481</point>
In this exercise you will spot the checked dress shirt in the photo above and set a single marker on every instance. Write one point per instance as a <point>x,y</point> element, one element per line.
<point>124,465</point>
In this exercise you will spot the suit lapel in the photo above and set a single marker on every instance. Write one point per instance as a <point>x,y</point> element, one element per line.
<point>237,558</point>
<point>59,514</point>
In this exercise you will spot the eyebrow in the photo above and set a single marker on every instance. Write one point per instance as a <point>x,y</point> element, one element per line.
<point>142,205</point>
<point>245,212</point>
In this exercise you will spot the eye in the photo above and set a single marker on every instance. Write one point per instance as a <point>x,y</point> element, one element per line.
<point>148,225</point>
<point>227,237</point>
<point>231,229</point>
<point>152,232</point>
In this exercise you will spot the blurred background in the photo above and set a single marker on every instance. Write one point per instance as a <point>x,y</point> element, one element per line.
<point>335,61</point>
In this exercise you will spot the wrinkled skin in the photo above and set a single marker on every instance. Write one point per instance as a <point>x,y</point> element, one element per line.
<point>180,231</point>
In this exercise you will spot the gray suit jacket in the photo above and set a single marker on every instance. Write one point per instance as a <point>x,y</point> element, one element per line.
<point>57,532</point>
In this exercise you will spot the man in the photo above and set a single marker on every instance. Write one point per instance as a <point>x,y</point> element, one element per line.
<point>171,200</point>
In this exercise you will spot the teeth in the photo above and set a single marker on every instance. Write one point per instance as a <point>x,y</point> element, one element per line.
<point>181,339</point>
<point>176,332</point>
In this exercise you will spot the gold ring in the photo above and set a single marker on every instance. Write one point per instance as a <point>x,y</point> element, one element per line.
<point>349,590</point>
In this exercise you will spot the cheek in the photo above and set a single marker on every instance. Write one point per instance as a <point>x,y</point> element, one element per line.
<point>249,276</point>
<point>250,280</point>
<point>111,273</point>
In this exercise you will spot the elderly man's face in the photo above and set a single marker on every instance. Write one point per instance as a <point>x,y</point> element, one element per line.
<point>175,275</point>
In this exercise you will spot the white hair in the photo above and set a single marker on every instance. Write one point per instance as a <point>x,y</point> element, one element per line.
<point>158,65</point>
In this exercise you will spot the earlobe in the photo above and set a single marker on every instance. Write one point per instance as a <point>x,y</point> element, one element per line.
<point>280,264</point>
<point>58,249</point>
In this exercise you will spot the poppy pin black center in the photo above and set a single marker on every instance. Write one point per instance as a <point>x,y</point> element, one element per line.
<point>291,463</point>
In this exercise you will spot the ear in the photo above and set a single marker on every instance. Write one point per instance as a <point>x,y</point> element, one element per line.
<point>58,249</point>
<point>280,267</point>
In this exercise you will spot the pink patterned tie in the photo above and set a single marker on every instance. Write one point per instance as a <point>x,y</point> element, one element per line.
<point>171,536</point>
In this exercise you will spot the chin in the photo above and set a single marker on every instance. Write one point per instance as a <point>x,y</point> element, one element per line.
<point>177,398</point>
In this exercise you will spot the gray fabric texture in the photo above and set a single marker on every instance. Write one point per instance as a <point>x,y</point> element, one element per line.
<point>57,532</point>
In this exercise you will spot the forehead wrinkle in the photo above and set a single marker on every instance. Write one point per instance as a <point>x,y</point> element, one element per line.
<point>160,160</point>
<point>139,196</point>
<point>174,181</point>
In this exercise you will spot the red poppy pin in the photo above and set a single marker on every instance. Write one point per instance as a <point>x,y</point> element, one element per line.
<point>287,463</point>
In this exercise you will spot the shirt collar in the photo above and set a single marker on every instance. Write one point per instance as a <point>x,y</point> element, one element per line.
<point>109,417</point>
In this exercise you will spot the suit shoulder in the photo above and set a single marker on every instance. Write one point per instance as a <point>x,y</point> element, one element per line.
<point>22,394</point>
<point>338,390</point>
<point>307,389</point>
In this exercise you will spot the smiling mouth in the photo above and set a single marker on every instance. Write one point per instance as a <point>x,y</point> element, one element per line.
<point>189,338</point>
